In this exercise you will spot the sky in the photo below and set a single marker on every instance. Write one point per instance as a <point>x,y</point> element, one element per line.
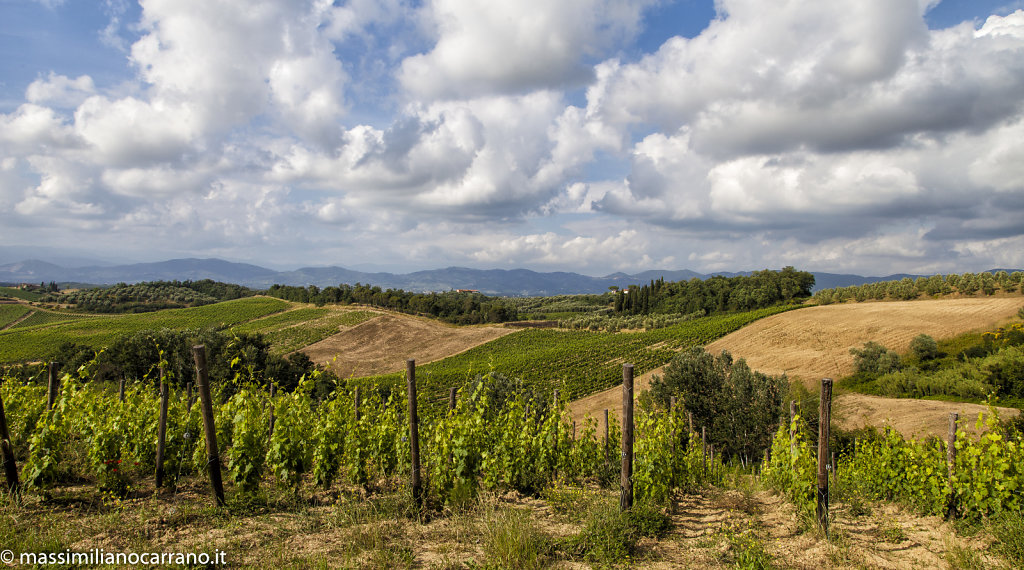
<point>853,136</point>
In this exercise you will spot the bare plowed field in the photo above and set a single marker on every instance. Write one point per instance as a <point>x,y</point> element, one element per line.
<point>815,343</point>
<point>383,344</point>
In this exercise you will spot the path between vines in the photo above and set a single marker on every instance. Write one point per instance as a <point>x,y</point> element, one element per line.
<point>708,530</point>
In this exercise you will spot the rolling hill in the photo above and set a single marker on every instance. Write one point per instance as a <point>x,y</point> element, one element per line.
<point>502,282</point>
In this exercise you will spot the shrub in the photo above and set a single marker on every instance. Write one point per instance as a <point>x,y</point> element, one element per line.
<point>875,359</point>
<point>924,347</point>
<point>739,406</point>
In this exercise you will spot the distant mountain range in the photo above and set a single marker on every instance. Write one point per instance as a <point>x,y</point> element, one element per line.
<point>509,282</point>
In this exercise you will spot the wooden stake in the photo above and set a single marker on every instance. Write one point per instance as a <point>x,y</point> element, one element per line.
<point>452,392</point>
<point>356,400</point>
<point>414,433</point>
<point>53,387</point>
<point>161,433</point>
<point>120,389</point>
<point>824,418</point>
<point>626,498</point>
<point>951,464</point>
<point>10,467</point>
<point>212,456</point>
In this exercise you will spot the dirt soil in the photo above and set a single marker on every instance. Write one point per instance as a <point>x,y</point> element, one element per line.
<point>382,344</point>
<point>815,342</point>
<point>708,529</point>
<point>713,528</point>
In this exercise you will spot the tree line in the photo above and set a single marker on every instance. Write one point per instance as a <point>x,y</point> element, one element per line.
<point>454,307</point>
<point>715,294</point>
<point>970,284</point>
<point>148,296</point>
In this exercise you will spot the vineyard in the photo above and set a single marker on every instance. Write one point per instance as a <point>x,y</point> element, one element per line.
<point>576,363</point>
<point>9,314</point>
<point>291,330</point>
<point>506,478</point>
<point>347,458</point>
<point>287,329</point>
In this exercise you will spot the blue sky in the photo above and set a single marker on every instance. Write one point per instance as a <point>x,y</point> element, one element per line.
<point>869,136</point>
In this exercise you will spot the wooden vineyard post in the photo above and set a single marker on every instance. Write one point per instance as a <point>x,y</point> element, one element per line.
<point>161,433</point>
<point>951,464</point>
<point>188,397</point>
<point>689,416</point>
<point>356,400</point>
<point>120,389</point>
<point>10,467</point>
<point>574,430</point>
<point>53,386</point>
<point>212,456</point>
<point>414,434</point>
<point>626,499</point>
<point>824,417</point>
<point>452,393</point>
<point>270,419</point>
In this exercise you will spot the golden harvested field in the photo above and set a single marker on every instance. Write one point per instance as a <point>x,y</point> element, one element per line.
<point>815,342</point>
<point>912,418</point>
<point>383,344</point>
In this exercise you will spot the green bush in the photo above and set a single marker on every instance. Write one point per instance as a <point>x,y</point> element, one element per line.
<point>740,407</point>
<point>924,347</point>
<point>875,358</point>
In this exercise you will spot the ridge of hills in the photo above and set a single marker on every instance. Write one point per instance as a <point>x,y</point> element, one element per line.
<point>504,282</point>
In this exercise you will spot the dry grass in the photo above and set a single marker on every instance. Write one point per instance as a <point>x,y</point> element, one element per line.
<point>383,344</point>
<point>718,528</point>
<point>815,342</point>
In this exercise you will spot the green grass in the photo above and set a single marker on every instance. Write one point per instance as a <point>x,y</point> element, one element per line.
<point>40,341</point>
<point>577,363</point>
<point>11,313</point>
